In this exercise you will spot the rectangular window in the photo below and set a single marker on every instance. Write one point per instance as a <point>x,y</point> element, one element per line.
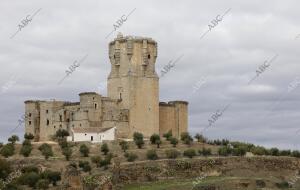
<point>47,111</point>
<point>29,122</point>
<point>60,118</point>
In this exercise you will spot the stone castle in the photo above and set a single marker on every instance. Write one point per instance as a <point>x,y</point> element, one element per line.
<point>132,104</point>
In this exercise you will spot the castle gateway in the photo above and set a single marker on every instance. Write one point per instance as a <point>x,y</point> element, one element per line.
<point>132,104</point>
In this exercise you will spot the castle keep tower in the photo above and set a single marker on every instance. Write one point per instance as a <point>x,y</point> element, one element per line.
<point>134,81</point>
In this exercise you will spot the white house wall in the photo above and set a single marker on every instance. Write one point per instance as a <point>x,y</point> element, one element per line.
<point>97,137</point>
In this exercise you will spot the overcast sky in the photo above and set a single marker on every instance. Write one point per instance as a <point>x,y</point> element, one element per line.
<point>255,39</point>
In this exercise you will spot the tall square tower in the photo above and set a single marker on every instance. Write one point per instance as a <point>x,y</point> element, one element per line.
<point>134,81</point>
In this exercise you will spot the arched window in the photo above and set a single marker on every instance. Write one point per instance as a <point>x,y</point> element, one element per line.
<point>47,122</point>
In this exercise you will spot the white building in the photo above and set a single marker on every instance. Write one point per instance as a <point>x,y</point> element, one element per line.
<point>91,134</point>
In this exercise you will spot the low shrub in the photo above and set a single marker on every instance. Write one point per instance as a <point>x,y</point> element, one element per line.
<point>152,155</point>
<point>7,150</point>
<point>85,165</point>
<point>26,150</point>
<point>131,157</point>
<point>224,151</point>
<point>205,152</point>
<point>172,153</point>
<point>189,153</point>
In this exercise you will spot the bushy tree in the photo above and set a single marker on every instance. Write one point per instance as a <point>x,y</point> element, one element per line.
<point>85,165</point>
<point>246,146</point>
<point>172,153</point>
<point>106,161</point>
<point>189,153</point>
<point>174,141</point>
<point>224,151</point>
<point>186,138</point>
<point>168,135</point>
<point>46,150</point>
<point>239,151</point>
<point>285,152</point>
<point>225,142</point>
<point>138,139</point>
<point>205,151</point>
<point>274,151</point>
<point>63,143</point>
<point>152,155</point>
<point>124,145</point>
<point>67,152</point>
<point>28,136</point>
<point>61,133</point>
<point>283,185</point>
<point>258,150</point>
<point>131,157</point>
<point>104,148</point>
<point>296,154</point>
<point>158,143</point>
<point>217,142</point>
<point>184,135</point>
<point>26,150</point>
<point>7,150</point>
<point>54,177</point>
<point>30,168</point>
<point>84,150</point>
<point>26,142</point>
<point>200,138</point>
<point>13,139</point>
<point>154,138</point>
<point>30,179</point>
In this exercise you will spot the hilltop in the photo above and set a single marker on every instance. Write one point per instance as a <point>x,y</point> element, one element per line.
<point>210,165</point>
